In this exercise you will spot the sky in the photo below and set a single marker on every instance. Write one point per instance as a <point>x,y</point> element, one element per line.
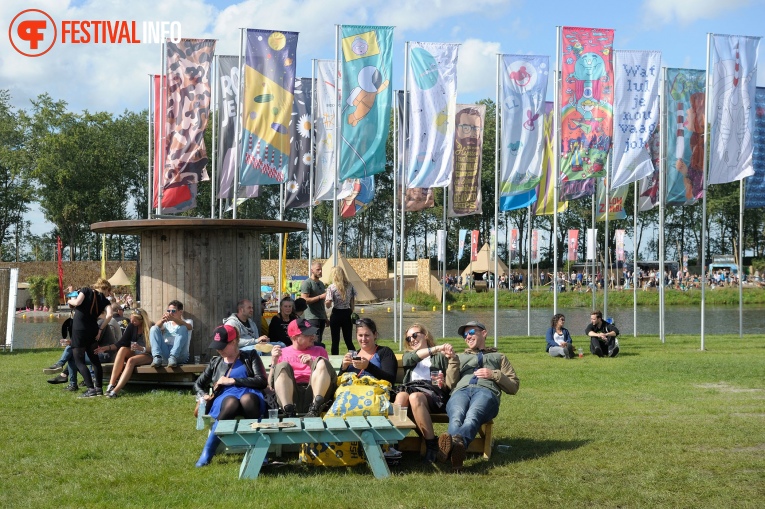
<point>114,77</point>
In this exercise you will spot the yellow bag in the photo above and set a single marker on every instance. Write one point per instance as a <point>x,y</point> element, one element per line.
<point>360,397</point>
<point>333,454</point>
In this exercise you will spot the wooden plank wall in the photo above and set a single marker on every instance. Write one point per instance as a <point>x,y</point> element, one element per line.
<point>208,271</point>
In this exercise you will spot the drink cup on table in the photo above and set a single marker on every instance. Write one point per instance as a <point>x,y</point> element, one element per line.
<point>402,413</point>
<point>273,413</point>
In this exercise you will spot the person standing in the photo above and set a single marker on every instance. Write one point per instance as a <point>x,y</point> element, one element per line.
<point>314,292</point>
<point>341,295</point>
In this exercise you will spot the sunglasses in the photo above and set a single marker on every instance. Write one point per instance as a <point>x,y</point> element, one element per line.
<point>414,335</point>
<point>470,332</point>
<point>171,311</point>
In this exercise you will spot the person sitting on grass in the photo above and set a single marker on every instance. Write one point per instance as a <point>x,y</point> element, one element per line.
<point>602,336</point>
<point>237,380</point>
<point>132,351</point>
<point>559,343</point>
<point>301,375</point>
<point>169,337</point>
<point>484,375</point>
<point>422,360</point>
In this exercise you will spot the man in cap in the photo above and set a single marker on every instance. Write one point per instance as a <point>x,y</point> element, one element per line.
<point>301,374</point>
<point>484,375</point>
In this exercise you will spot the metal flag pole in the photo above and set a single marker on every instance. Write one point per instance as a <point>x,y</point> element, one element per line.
<point>150,118</point>
<point>556,163</point>
<point>704,197</point>
<point>528,274</point>
<point>338,88</point>
<point>404,171</point>
<point>311,169</point>
<point>497,127</point>
<point>216,119</point>
<point>443,273</point>
<point>594,243</point>
<point>635,258</point>
<point>662,208</point>
<point>607,250</point>
<point>238,132</point>
<point>396,163</point>
<point>281,240</point>
<point>741,195</point>
<point>162,125</point>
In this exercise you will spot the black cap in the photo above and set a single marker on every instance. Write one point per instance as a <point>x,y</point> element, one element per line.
<point>473,323</point>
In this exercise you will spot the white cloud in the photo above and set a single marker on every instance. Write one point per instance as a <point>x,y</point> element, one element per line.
<point>477,68</point>
<point>688,11</point>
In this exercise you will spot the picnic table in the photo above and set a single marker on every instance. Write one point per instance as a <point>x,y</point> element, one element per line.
<point>257,436</point>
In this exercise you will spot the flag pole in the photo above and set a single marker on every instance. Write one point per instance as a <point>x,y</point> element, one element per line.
<point>635,258</point>
<point>528,274</point>
<point>497,127</point>
<point>162,125</point>
<point>213,149</point>
<point>556,163</point>
<point>595,243</point>
<point>443,274</point>
<point>150,161</point>
<point>404,172</point>
<point>741,196</point>
<point>338,130</point>
<point>704,197</point>
<point>396,164</point>
<point>312,167</point>
<point>607,250</point>
<point>662,209</point>
<point>238,132</point>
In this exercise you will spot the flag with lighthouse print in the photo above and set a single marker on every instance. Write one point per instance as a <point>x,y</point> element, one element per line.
<point>269,84</point>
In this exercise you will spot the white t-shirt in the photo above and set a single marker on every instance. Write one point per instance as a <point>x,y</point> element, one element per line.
<point>559,339</point>
<point>422,370</point>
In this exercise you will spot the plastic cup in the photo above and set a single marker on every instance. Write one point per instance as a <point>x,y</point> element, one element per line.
<point>395,411</point>
<point>580,351</point>
<point>273,413</point>
<point>434,377</point>
<point>402,413</point>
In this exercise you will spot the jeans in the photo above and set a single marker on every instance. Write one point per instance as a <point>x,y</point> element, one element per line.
<point>469,408</point>
<point>179,349</point>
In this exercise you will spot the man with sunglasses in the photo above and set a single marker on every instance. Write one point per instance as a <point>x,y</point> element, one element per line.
<point>170,337</point>
<point>484,375</point>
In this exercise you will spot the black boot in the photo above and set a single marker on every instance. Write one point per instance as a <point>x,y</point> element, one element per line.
<point>209,449</point>
<point>431,450</point>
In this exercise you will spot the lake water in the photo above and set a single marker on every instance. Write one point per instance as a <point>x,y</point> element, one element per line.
<point>44,332</point>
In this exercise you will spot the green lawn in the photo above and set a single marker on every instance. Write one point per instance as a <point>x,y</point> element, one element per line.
<point>659,426</point>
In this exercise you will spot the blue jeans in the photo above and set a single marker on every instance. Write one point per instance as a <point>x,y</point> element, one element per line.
<point>468,409</point>
<point>179,349</point>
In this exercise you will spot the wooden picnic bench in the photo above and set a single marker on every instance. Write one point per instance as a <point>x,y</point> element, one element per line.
<point>257,437</point>
<point>185,374</point>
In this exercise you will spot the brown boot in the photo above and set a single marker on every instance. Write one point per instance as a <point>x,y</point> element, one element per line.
<point>458,452</point>
<point>444,447</point>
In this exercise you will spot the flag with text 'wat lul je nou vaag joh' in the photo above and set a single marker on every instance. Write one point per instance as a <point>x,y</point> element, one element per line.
<point>586,99</point>
<point>684,90</point>
<point>269,84</point>
<point>187,112</point>
<point>524,88</point>
<point>734,79</point>
<point>366,60</point>
<point>326,100</point>
<point>297,189</point>
<point>636,114</point>
<point>465,188</point>
<point>432,85</point>
<point>755,185</point>
<point>228,98</point>
<point>546,187</point>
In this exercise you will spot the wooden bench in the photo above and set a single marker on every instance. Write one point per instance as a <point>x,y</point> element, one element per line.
<point>185,374</point>
<point>371,432</point>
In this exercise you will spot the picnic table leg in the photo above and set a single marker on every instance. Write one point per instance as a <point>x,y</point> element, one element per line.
<point>253,459</point>
<point>375,456</point>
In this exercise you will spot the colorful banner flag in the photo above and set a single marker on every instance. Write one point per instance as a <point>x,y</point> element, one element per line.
<point>636,113</point>
<point>416,198</point>
<point>355,195</point>
<point>619,237</point>
<point>188,110</point>
<point>586,99</point>
<point>326,99</point>
<point>269,85</point>
<point>474,245</point>
<point>534,245</point>
<point>513,243</point>
<point>432,85</point>
<point>461,241</point>
<point>518,201</point>
<point>366,66</point>
<point>546,187</point>
<point>573,244</point>
<point>576,189</point>
<point>684,89</point>
<point>616,199</point>
<point>228,98</point>
<point>298,187</point>
<point>649,186</point>
<point>524,88</point>
<point>755,185</point>
<point>465,188</point>
<point>734,81</point>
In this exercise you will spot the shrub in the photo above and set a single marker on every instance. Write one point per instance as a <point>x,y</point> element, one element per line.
<point>36,289</point>
<point>52,296</point>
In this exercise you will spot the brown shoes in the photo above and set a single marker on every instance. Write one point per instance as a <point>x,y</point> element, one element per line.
<point>444,447</point>
<point>458,452</point>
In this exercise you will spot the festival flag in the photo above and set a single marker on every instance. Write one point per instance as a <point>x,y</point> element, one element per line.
<point>474,245</point>
<point>592,235</point>
<point>546,187</point>
<point>518,201</point>
<point>586,99</point>
<point>366,66</point>
<point>524,88</point>
<point>60,269</point>
<point>619,237</point>
<point>734,81</point>
<point>298,192</point>
<point>326,99</point>
<point>616,198</point>
<point>573,244</point>
<point>188,110</point>
<point>576,189</point>
<point>492,244</point>
<point>355,195</point>
<point>755,185</point>
<point>432,84</point>
<point>461,243</point>
<point>228,98</point>
<point>441,243</point>
<point>465,188</point>
<point>649,186</point>
<point>684,89</point>
<point>636,114</point>
<point>269,84</point>
<point>513,243</point>
<point>416,198</point>
<point>534,245</point>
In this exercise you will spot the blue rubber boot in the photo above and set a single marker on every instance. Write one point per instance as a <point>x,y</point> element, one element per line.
<point>209,449</point>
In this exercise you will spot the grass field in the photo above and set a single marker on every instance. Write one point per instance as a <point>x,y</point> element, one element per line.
<point>662,425</point>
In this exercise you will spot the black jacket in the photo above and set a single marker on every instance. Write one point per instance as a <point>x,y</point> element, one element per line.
<point>256,373</point>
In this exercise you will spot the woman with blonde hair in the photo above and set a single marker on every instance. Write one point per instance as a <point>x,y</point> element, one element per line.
<point>86,333</point>
<point>133,350</point>
<point>430,372</point>
<point>342,296</point>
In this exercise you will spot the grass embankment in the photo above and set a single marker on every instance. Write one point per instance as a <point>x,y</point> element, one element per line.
<point>660,426</point>
<point>616,298</point>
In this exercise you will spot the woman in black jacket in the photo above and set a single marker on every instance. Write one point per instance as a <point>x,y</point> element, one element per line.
<point>236,379</point>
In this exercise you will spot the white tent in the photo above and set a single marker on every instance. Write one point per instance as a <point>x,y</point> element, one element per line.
<point>120,278</point>
<point>484,264</point>
<point>363,293</point>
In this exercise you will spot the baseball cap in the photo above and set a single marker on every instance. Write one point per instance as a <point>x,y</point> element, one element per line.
<point>473,323</point>
<point>222,336</point>
<point>301,326</point>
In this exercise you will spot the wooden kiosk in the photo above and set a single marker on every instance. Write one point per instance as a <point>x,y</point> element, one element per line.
<point>207,264</point>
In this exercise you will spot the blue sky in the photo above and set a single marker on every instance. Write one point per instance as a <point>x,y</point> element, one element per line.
<point>115,77</point>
